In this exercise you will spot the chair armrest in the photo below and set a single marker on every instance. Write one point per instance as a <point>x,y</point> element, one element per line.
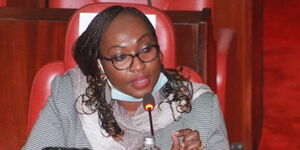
<point>40,90</point>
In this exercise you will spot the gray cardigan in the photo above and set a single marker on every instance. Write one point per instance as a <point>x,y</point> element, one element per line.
<point>58,124</point>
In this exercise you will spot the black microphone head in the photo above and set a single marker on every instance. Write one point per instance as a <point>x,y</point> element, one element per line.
<point>148,102</point>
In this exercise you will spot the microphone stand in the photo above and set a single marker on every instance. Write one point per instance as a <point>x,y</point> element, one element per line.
<point>149,142</point>
<point>150,118</point>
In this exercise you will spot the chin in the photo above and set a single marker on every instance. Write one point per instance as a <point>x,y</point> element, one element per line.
<point>141,93</point>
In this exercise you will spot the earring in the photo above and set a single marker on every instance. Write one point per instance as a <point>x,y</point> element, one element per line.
<point>103,77</point>
<point>102,73</point>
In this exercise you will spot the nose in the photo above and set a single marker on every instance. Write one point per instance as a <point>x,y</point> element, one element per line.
<point>137,64</point>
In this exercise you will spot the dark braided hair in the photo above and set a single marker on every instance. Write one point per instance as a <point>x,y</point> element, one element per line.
<point>86,51</point>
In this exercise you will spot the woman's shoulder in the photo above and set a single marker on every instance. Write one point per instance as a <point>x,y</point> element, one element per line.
<point>62,89</point>
<point>202,93</point>
<point>61,83</point>
<point>200,88</point>
<point>68,81</point>
<point>204,100</point>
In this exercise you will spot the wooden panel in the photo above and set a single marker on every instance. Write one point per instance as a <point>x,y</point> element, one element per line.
<point>30,38</point>
<point>257,72</point>
<point>27,3</point>
<point>25,46</point>
<point>244,93</point>
<point>14,89</point>
<point>195,44</point>
<point>36,14</point>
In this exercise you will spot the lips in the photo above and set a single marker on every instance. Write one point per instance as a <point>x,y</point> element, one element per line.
<point>141,82</point>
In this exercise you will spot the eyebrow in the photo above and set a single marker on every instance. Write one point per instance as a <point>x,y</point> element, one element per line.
<point>144,35</point>
<point>139,40</point>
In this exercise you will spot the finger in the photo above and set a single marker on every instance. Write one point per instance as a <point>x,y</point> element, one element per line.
<point>193,145</point>
<point>192,136</point>
<point>184,132</point>
<point>176,142</point>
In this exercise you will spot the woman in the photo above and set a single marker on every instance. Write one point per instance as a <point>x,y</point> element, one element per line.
<point>97,105</point>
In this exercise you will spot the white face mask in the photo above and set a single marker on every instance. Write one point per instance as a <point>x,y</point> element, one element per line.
<point>118,95</point>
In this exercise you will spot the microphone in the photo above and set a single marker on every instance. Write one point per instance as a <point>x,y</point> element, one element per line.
<point>148,103</point>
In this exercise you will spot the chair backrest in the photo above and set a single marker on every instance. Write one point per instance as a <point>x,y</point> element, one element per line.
<point>164,30</point>
<point>162,4</point>
<point>41,85</point>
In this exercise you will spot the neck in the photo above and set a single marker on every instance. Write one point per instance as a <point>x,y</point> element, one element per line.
<point>130,107</point>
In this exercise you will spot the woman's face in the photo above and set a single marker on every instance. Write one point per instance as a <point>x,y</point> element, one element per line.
<point>128,34</point>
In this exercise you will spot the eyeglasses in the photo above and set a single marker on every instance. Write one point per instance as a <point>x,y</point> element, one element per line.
<point>125,61</point>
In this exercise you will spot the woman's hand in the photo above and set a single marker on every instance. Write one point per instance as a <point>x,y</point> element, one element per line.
<point>190,140</point>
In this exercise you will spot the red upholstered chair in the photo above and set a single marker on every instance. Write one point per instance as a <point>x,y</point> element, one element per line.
<point>41,85</point>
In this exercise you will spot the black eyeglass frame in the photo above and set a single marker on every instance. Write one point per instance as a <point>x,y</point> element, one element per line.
<point>156,46</point>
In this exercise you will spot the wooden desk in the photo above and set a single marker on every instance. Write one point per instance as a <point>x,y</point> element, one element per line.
<point>30,38</point>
